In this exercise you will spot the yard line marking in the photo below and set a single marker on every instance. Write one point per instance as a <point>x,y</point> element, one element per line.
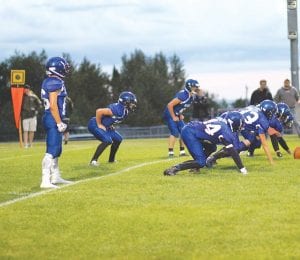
<point>32,195</point>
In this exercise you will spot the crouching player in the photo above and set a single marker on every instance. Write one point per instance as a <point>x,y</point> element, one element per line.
<point>201,139</point>
<point>283,118</point>
<point>102,127</point>
<point>257,122</point>
<point>254,131</point>
<point>53,94</point>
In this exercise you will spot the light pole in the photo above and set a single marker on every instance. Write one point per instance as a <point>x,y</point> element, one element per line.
<point>293,37</point>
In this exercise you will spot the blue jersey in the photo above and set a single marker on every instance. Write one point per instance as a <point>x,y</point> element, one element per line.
<point>255,120</point>
<point>275,123</point>
<point>52,84</point>
<point>214,131</point>
<point>119,114</point>
<point>185,101</point>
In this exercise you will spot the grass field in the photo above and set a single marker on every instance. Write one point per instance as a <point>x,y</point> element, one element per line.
<point>129,210</point>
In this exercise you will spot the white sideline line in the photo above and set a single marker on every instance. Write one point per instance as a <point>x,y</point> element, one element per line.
<point>32,195</point>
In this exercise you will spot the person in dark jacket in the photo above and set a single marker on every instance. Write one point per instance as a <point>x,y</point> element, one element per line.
<point>261,94</point>
<point>31,105</point>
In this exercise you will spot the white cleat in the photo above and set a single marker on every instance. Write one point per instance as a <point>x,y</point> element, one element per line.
<point>94,163</point>
<point>60,180</point>
<point>48,186</point>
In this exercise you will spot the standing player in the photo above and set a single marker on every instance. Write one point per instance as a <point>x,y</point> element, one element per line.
<point>53,94</point>
<point>201,139</point>
<point>173,113</point>
<point>102,127</point>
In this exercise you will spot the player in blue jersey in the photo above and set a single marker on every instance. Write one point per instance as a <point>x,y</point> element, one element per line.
<point>202,138</point>
<point>102,125</point>
<point>256,126</point>
<point>53,94</point>
<point>173,113</point>
<point>282,118</point>
<point>257,122</point>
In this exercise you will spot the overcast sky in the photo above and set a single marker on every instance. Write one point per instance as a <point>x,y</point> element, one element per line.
<point>225,45</point>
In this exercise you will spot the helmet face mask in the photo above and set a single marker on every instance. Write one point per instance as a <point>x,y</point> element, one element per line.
<point>268,108</point>
<point>283,111</point>
<point>191,85</point>
<point>128,99</point>
<point>235,120</point>
<point>288,120</point>
<point>57,66</point>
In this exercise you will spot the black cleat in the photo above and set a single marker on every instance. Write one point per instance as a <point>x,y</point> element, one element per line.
<point>279,154</point>
<point>210,161</point>
<point>250,154</point>
<point>171,171</point>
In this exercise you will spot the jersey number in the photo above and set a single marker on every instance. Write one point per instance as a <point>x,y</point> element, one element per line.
<point>211,129</point>
<point>251,117</point>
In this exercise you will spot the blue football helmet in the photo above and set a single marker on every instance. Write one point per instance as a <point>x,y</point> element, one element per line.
<point>191,83</point>
<point>57,66</point>
<point>283,110</point>
<point>128,99</point>
<point>268,107</point>
<point>288,119</point>
<point>235,120</point>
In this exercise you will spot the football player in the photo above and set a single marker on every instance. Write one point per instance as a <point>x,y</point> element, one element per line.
<point>102,125</point>
<point>283,118</point>
<point>257,122</point>
<point>256,126</point>
<point>201,139</point>
<point>173,113</point>
<point>53,94</point>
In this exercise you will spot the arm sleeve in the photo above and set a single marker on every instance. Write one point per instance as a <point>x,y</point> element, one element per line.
<point>276,97</point>
<point>252,99</point>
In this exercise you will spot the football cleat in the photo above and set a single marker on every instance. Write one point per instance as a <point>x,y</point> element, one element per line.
<point>171,171</point>
<point>250,154</point>
<point>210,161</point>
<point>57,180</point>
<point>47,185</point>
<point>279,154</point>
<point>94,163</point>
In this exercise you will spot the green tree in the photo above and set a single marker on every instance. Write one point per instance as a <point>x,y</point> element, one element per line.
<point>239,103</point>
<point>87,87</point>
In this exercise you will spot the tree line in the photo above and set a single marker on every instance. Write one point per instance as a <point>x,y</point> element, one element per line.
<point>154,79</point>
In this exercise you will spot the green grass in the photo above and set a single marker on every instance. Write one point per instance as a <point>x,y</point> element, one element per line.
<point>111,212</point>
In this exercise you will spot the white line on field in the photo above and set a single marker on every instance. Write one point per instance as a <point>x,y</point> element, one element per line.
<point>32,195</point>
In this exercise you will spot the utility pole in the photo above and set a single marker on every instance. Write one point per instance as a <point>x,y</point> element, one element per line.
<point>293,37</point>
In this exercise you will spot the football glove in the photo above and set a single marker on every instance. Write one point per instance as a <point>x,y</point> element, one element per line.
<point>61,127</point>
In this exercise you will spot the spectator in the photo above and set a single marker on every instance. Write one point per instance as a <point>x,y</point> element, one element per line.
<point>30,106</point>
<point>66,119</point>
<point>260,94</point>
<point>290,96</point>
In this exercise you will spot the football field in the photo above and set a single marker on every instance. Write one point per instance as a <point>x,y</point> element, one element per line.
<point>129,210</point>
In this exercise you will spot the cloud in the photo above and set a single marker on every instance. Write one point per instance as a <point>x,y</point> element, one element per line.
<point>209,36</point>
